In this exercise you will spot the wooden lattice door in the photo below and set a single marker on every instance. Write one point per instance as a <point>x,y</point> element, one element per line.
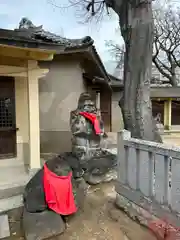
<point>105,105</point>
<point>7,118</point>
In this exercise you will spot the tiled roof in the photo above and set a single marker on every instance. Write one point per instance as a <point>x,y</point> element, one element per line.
<point>30,36</point>
<point>39,34</point>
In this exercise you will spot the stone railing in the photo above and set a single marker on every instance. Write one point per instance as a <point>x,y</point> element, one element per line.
<point>148,185</point>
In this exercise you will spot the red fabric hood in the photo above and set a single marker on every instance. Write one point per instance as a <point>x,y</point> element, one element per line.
<point>58,192</point>
<point>93,118</point>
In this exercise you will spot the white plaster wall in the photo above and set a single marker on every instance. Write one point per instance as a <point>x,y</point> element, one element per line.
<point>59,92</point>
<point>116,115</point>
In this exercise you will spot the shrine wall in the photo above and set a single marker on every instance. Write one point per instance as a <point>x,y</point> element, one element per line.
<point>58,95</point>
<point>116,115</point>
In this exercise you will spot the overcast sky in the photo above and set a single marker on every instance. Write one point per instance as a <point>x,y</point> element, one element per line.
<point>63,22</point>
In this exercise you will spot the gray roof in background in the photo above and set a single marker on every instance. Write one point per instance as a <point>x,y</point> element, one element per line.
<point>158,80</point>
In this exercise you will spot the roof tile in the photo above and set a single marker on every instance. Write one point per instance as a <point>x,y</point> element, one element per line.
<point>38,33</point>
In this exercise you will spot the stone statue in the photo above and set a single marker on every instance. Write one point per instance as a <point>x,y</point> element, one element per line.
<point>38,220</point>
<point>159,124</point>
<point>158,118</point>
<point>88,162</point>
<point>86,143</point>
<point>34,198</point>
<point>84,139</point>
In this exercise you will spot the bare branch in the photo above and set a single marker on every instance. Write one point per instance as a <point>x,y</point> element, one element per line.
<point>167,39</point>
<point>166,55</point>
<point>71,4</point>
<point>166,50</point>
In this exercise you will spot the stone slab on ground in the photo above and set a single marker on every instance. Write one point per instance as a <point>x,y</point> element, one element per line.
<point>43,225</point>
<point>4,226</point>
<point>10,203</point>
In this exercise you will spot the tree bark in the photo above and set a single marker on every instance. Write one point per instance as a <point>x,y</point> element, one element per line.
<point>136,23</point>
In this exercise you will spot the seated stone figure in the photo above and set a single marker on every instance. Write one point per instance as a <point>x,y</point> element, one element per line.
<point>86,139</point>
<point>40,222</point>
<point>62,165</point>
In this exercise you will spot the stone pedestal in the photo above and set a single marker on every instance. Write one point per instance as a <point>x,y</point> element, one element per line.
<point>42,225</point>
<point>4,226</point>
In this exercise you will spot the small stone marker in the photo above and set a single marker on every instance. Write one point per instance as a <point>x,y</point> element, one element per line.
<point>43,225</point>
<point>4,226</point>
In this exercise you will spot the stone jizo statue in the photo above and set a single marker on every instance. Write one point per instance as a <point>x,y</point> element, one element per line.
<point>86,140</point>
<point>84,137</point>
<point>158,118</point>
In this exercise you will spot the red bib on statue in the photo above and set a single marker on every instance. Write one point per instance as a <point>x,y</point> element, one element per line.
<point>93,119</point>
<point>58,192</point>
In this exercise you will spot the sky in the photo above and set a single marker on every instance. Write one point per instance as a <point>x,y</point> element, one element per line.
<point>62,21</point>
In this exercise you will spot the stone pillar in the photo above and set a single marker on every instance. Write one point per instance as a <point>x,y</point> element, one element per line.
<point>22,119</point>
<point>121,164</point>
<point>167,114</point>
<point>33,107</point>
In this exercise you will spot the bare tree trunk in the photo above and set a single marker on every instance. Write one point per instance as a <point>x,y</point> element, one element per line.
<point>136,25</point>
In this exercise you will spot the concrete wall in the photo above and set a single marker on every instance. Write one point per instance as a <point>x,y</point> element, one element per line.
<point>116,115</point>
<point>58,94</point>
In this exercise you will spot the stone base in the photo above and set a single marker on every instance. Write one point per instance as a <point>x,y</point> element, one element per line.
<point>4,226</point>
<point>39,226</point>
<point>81,192</point>
<point>95,179</point>
<point>82,185</point>
<point>159,227</point>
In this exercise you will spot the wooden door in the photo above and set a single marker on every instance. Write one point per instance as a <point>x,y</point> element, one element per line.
<point>7,118</point>
<point>105,106</point>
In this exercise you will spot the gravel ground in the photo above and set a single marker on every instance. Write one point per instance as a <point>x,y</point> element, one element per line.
<point>98,220</point>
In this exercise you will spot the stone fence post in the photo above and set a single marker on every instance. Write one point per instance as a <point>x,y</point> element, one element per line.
<point>121,162</point>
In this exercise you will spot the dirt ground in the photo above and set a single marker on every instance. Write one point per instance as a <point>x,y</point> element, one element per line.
<point>98,220</point>
<point>101,220</point>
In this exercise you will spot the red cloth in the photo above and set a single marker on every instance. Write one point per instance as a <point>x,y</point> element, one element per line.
<point>93,118</point>
<point>58,192</point>
<point>163,230</point>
